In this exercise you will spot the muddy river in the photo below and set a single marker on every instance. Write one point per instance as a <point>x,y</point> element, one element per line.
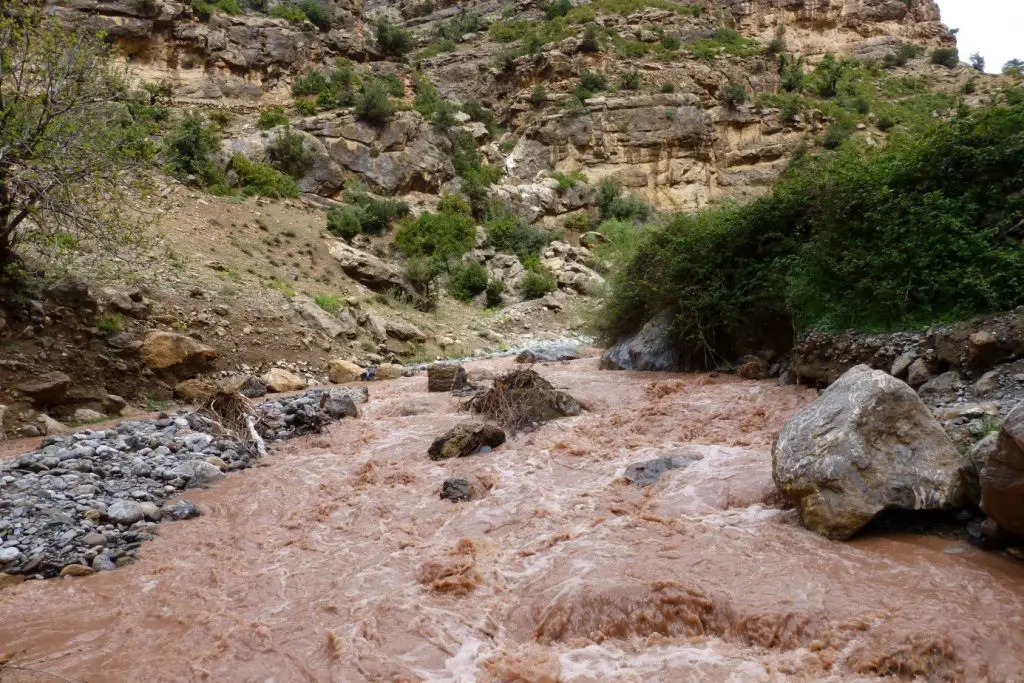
<point>336,560</point>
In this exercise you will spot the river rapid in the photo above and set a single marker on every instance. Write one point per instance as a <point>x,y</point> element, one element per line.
<point>336,560</point>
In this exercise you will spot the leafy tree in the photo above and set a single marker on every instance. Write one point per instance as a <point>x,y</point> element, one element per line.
<point>948,57</point>
<point>288,153</point>
<point>442,236</point>
<point>734,94</point>
<point>73,155</point>
<point>373,105</point>
<point>1014,67</point>
<point>187,150</point>
<point>271,118</point>
<point>978,62</point>
<point>467,281</point>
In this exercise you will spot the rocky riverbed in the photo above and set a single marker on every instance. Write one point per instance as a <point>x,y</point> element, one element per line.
<point>86,502</point>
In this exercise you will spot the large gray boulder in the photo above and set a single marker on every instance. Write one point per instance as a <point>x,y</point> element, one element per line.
<point>1002,475</point>
<point>367,269</point>
<point>648,349</point>
<point>867,444</point>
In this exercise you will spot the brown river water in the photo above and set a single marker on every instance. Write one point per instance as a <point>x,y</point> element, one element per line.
<point>336,560</point>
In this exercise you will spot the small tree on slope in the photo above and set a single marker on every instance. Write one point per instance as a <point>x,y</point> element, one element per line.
<point>72,152</point>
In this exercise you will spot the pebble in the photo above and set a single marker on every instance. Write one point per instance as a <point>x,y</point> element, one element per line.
<point>90,499</point>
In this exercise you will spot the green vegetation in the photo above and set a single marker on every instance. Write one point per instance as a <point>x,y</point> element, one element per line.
<point>495,293</point>
<point>188,148</point>
<point>441,236</point>
<point>508,235</point>
<point>363,213</point>
<point>1014,67</point>
<point>902,55</point>
<point>288,153</point>
<point>204,9</point>
<point>734,93</point>
<point>392,40</point>
<point>725,41</point>
<point>539,95</point>
<point>902,236</point>
<point>110,323</point>
<point>329,302</point>
<point>630,80</point>
<point>467,280</point>
<point>263,180</point>
<point>373,105</point>
<point>281,286</point>
<point>304,10</point>
<point>613,204</point>
<point>271,118</point>
<point>538,280</point>
<point>948,57</point>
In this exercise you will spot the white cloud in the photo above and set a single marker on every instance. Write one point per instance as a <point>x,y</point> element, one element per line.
<point>994,28</point>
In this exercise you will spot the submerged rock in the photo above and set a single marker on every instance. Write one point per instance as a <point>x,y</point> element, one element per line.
<point>466,439</point>
<point>446,378</point>
<point>867,444</point>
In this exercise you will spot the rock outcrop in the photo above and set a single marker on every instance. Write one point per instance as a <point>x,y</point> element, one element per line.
<point>648,349</point>
<point>866,445</point>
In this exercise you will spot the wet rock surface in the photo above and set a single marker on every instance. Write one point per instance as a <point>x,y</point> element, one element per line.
<point>650,471</point>
<point>446,378</point>
<point>466,439</point>
<point>867,444</point>
<point>90,499</point>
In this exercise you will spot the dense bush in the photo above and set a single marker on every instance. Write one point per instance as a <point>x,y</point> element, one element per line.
<point>613,204</point>
<point>630,80</point>
<point>590,42</point>
<point>188,148</point>
<point>903,54</point>
<point>734,93</point>
<point>345,221</point>
<point>911,234</point>
<point>537,282</point>
<point>271,118</point>
<point>288,153</point>
<point>467,280</point>
<point>373,105</point>
<point>392,40</point>
<point>441,236</point>
<point>948,57</point>
<point>508,235</point>
<point>539,95</point>
<point>495,291</point>
<point>263,180</point>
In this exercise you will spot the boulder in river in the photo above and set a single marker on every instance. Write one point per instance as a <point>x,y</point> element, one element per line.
<point>867,444</point>
<point>1002,475</point>
<point>445,378</point>
<point>648,349</point>
<point>466,439</point>
<point>279,380</point>
<point>342,371</point>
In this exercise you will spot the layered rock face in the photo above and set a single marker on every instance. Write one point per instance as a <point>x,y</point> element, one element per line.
<point>235,57</point>
<point>817,26</point>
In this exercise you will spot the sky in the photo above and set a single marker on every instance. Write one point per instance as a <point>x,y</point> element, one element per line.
<point>995,28</point>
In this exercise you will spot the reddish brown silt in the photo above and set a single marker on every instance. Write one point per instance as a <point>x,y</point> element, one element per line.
<point>336,560</point>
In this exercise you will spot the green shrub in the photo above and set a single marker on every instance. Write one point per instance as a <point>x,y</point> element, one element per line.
<point>263,180</point>
<point>495,291</point>
<point>288,12</point>
<point>319,14</point>
<point>902,55</point>
<point>377,213</point>
<point>442,236</point>
<point>467,281</point>
<point>305,107</point>
<point>1014,67</point>
<point>539,95</point>
<point>204,9</point>
<point>668,88</point>
<point>427,99</point>
<point>837,133</point>
<point>508,235</point>
<point>567,181</point>
<point>948,57</point>
<point>900,236</point>
<point>288,153</point>
<point>479,113</point>
<point>630,80</point>
<point>453,29</point>
<point>271,119</point>
<point>791,74</point>
<point>558,8</point>
<point>313,82</point>
<point>671,43</point>
<point>612,203</point>
<point>776,46</point>
<point>111,323</point>
<point>392,40</point>
<point>329,302</point>
<point>422,274</point>
<point>373,105</point>
<point>537,282</point>
<point>578,222</point>
<point>188,148</point>
<point>590,42</point>
<point>592,81</point>
<point>345,221</point>
<point>734,94</point>
<point>827,75</point>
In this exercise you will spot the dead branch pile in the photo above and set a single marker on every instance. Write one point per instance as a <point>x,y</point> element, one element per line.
<point>521,399</point>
